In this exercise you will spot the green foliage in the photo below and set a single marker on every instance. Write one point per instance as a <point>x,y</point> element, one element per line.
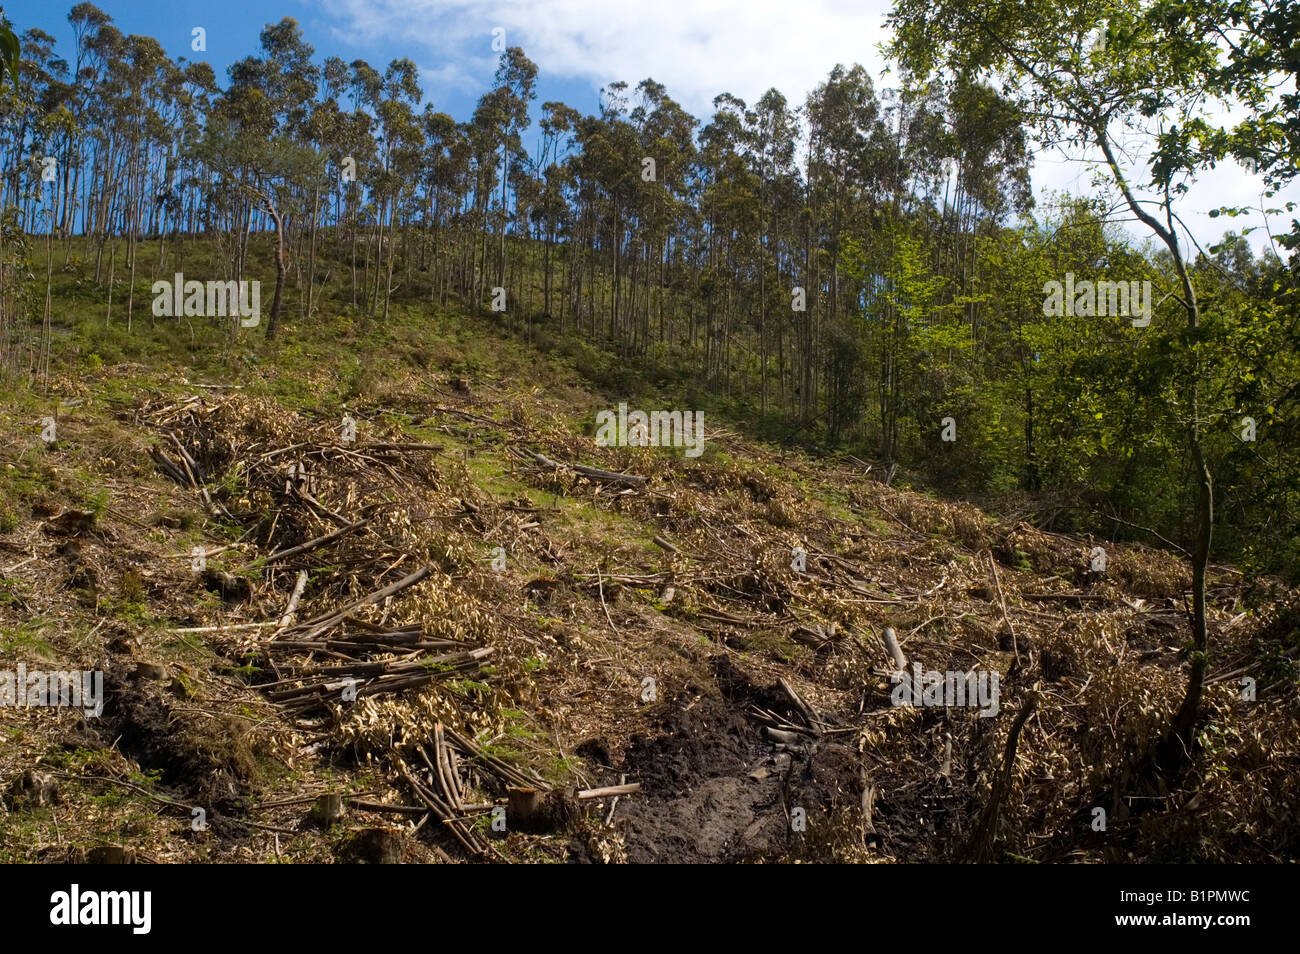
<point>10,49</point>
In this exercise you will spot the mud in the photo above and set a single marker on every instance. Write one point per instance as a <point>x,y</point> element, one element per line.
<point>714,790</point>
<point>210,759</point>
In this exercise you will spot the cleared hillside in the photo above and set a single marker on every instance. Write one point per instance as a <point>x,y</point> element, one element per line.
<point>628,631</point>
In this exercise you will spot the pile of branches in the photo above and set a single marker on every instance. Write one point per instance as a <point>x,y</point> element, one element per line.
<point>348,516</point>
<point>450,765</point>
<point>380,544</point>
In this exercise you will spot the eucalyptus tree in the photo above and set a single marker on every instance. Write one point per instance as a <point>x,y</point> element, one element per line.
<point>558,125</point>
<point>257,137</point>
<point>324,130</point>
<point>39,94</point>
<point>991,179</point>
<point>850,152</point>
<point>516,77</point>
<point>728,202</point>
<point>106,120</point>
<point>610,164</point>
<point>773,128</point>
<point>666,134</point>
<point>356,141</point>
<point>10,54</point>
<point>447,183</point>
<point>482,133</point>
<point>143,97</point>
<point>402,140</point>
<point>86,19</point>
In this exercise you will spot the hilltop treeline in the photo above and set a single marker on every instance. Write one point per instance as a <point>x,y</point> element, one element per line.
<point>860,271</point>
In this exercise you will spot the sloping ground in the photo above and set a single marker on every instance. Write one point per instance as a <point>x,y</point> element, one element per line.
<point>476,629</point>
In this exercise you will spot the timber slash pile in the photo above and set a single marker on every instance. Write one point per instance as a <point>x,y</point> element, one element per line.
<point>465,632</point>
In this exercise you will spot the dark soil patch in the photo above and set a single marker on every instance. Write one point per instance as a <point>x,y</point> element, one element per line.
<point>697,801</point>
<point>713,789</point>
<point>210,758</point>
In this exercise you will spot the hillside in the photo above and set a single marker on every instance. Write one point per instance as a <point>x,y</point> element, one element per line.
<point>523,635</point>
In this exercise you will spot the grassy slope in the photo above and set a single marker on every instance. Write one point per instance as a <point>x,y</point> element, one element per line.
<point>715,626</point>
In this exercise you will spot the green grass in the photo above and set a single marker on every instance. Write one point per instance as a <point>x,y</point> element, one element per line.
<point>27,639</point>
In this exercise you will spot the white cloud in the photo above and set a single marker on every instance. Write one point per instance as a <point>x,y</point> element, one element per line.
<point>697,48</point>
<point>451,76</point>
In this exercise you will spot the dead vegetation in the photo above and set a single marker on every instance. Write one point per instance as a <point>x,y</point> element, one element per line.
<point>470,613</point>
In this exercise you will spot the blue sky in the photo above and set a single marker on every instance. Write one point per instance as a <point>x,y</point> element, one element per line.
<point>697,48</point>
<point>452,83</point>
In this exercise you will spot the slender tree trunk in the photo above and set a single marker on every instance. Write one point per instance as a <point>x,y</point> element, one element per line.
<point>1178,742</point>
<point>281,266</point>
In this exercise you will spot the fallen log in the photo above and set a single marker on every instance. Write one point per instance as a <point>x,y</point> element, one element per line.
<point>327,621</point>
<point>1069,597</point>
<point>286,618</point>
<point>365,806</point>
<point>809,714</point>
<point>310,545</point>
<point>595,473</point>
<point>895,650</point>
<point>471,840</point>
<point>505,772</point>
<point>630,788</point>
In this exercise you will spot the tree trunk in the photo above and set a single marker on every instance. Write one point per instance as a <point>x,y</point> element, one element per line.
<point>281,267</point>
